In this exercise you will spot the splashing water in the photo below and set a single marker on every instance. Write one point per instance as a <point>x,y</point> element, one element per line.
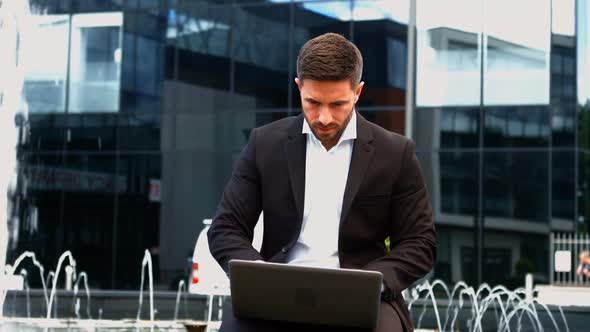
<point>10,270</point>
<point>179,293</point>
<point>514,307</point>
<point>65,255</point>
<point>13,25</point>
<point>81,276</point>
<point>147,260</point>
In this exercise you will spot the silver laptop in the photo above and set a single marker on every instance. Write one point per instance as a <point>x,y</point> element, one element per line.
<point>281,292</point>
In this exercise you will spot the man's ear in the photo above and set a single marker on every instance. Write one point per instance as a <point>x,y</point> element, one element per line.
<point>299,83</point>
<point>357,92</point>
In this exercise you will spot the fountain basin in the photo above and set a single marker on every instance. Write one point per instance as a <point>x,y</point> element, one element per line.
<point>564,295</point>
<point>40,324</point>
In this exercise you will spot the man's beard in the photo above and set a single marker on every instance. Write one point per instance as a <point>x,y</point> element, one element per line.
<point>336,136</point>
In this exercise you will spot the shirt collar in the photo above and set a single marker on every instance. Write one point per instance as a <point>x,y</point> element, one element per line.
<point>348,134</point>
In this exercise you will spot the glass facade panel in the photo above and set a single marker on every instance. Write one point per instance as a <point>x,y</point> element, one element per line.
<point>446,128</point>
<point>45,76</point>
<point>95,62</point>
<point>392,120</point>
<point>563,131</point>
<point>583,51</point>
<point>563,186</point>
<point>459,183</point>
<point>202,37</point>
<point>517,126</point>
<point>583,192</point>
<point>91,132</point>
<point>563,17</point>
<point>82,6</point>
<point>138,216</point>
<point>85,227</point>
<point>380,32</point>
<point>454,260</point>
<point>517,55</point>
<point>47,132</point>
<point>448,58</point>
<point>516,187</point>
<point>260,50</point>
<point>40,210</point>
<point>452,182</point>
<point>139,131</point>
<point>507,258</point>
<point>563,53</point>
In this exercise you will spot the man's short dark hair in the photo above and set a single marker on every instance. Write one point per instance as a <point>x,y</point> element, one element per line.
<point>330,57</point>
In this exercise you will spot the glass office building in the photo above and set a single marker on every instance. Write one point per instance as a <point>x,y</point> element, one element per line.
<point>138,109</point>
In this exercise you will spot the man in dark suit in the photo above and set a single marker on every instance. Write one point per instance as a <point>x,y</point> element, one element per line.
<point>333,187</point>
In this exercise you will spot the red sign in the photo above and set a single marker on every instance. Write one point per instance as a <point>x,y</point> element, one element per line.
<point>155,190</point>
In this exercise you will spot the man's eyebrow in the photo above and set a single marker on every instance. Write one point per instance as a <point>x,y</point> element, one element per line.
<point>341,101</point>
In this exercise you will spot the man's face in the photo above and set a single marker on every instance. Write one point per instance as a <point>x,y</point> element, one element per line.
<point>327,107</point>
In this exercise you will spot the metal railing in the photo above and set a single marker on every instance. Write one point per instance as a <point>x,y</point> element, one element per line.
<point>564,258</point>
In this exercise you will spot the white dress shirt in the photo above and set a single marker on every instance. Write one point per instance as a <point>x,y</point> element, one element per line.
<point>326,173</point>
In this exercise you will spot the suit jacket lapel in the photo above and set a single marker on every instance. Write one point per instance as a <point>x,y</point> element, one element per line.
<point>295,149</point>
<point>362,153</point>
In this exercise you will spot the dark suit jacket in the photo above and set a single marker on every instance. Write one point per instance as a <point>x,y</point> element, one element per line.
<point>385,196</point>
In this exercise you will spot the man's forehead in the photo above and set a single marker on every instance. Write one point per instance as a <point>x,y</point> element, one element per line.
<point>340,83</point>
<point>321,91</point>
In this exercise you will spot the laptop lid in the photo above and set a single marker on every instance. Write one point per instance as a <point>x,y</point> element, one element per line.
<point>291,293</point>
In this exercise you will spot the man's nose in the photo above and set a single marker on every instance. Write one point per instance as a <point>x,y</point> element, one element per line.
<point>325,117</point>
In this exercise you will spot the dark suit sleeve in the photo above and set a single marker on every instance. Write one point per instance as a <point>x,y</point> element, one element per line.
<point>412,234</point>
<point>232,229</point>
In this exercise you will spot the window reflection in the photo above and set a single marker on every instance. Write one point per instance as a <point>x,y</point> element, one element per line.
<point>397,11</point>
<point>200,29</point>
<point>583,191</point>
<point>563,17</point>
<point>563,197</point>
<point>201,37</point>
<point>458,178</point>
<point>261,54</point>
<point>448,52</point>
<point>392,120</point>
<point>517,57</point>
<point>313,19</point>
<point>444,256</point>
<point>446,128</point>
<point>507,257</point>
<point>517,126</point>
<point>563,55</point>
<point>95,61</point>
<point>380,32</point>
<point>516,186</point>
<point>583,50</point>
<point>46,133</point>
<point>338,10</point>
<point>452,182</point>
<point>45,76</point>
<point>563,127</point>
